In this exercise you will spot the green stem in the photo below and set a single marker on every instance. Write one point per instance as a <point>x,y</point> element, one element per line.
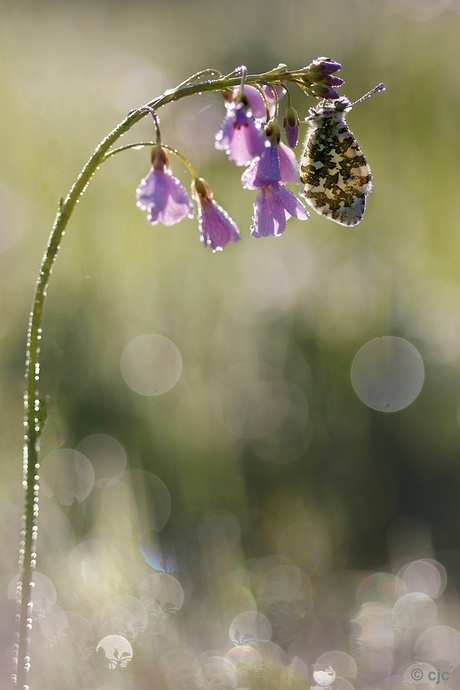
<point>34,408</point>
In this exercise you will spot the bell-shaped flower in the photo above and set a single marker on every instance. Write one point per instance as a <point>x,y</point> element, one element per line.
<point>263,170</point>
<point>240,136</point>
<point>272,208</point>
<point>216,227</point>
<point>256,101</point>
<point>277,163</point>
<point>161,194</point>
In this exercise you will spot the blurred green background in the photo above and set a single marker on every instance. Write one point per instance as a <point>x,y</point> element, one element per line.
<point>265,325</point>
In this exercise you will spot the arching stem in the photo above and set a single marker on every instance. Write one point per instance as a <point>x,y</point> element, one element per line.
<point>34,407</point>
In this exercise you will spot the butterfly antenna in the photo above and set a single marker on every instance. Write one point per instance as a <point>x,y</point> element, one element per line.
<point>376,89</point>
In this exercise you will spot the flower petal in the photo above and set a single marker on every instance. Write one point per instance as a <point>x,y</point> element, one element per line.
<point>269,216</point>
<point>288,164</point>
<point>240,136</point>
<point>263,170</point>
<point>216,227</point>
<point>291,204</point>
<point>164,198</point>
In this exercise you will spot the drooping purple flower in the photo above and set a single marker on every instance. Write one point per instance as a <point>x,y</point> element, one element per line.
<point>263,170</point>
<point>161,194</point>
<point>277,163</point>
<point>240,136</point>
<point>216,227</point>
<point>272,207</point>
<point>256,101</point>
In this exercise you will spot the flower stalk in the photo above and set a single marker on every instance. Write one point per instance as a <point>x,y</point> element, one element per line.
<point>309,79</point>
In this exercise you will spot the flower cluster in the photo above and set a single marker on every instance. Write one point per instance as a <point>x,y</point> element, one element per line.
<point>250,135</point>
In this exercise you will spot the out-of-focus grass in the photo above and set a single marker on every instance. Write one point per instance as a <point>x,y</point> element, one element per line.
<point>267,322</point>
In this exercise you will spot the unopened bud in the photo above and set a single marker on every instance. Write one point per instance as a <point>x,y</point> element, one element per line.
<point>323,66</point>
<point>291,126</point>
<point>323,91</point>
<point>273,132</point>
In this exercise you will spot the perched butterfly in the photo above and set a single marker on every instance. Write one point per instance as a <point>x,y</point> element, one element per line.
<point>333,168</point>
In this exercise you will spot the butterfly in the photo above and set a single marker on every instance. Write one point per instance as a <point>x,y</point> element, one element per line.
<point>336,176</point>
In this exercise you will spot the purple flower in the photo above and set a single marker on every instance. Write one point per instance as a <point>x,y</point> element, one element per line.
<point>240,136</point>
<point>264,169</point>
<point>216,227</point>
<point>161,194</point>
<point>272,207</point>
<point>277,163</point>
<point>256,101</point>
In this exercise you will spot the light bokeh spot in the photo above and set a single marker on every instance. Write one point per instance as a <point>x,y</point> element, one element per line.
<point>107,456</point>
<point>439,642</point>
<point>96,569</point>
<point>249,627</point>
<point>213,671</point>
<point>342,663</point>
<point>117,650</point>
<point>124,615</point>
<point>244,655</point>
<point>379,587</point>
<point>424,575</point>
<point>325,677</point>
<point>152,497</point>
<point>151,364</point>
<point>415,610</point>
<point>162,595</point>
<point>387,373</point>
<point>68,475</point>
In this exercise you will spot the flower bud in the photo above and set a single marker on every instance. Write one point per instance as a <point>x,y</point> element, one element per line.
<point>333,81</point>
<point>273,132</point>
<point>323,91</point>
<point>291,126</point>
<point>216,227</point>
<point>323,66</point>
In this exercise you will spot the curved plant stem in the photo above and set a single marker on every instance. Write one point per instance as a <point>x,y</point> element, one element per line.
<point>34,407</point>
